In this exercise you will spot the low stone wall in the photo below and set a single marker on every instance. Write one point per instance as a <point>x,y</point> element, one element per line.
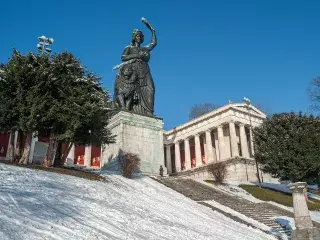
<point>239,169</point>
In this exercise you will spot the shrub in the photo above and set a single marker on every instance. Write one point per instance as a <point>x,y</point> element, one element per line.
<point>129,163</point>
<point>219,171</point>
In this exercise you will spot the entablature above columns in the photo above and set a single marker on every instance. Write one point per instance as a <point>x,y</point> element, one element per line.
<point>237,113</point>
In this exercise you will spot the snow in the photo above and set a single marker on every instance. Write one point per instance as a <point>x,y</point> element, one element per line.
<point>233,189</point>
<point>44,205</point>
<point>315,215</point>
<point>285,221</point>
<point>237,214</point>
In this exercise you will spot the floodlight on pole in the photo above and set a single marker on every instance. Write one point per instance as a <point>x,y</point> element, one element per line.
<point>43,43</point>
<point>248,103</point>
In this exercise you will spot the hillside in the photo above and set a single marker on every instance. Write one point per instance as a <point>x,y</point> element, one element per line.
<point>43,205</point>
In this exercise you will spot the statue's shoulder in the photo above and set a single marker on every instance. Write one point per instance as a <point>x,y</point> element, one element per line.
<point>127,50</point>
<point>128,47</point>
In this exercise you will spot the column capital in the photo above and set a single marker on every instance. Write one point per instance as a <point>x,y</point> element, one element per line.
<point>298,186</point>
<point>241,124</point>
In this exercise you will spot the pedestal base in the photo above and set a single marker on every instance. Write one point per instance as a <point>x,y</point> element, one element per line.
<point>137,134</point>
<point>306,234</point>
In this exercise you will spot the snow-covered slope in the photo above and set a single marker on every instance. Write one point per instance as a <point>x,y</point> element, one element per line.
<point>42,205</point>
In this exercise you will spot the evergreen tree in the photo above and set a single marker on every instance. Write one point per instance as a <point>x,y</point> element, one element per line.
<point>17,106</point>
<point>74,107</point>
<point>288,146</point>
<point>8,116</point>
<point>57,95</point>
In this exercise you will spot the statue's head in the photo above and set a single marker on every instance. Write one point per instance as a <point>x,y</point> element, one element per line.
<point>137,37</point>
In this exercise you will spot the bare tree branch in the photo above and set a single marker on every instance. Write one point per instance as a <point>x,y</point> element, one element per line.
<point>198,110</point>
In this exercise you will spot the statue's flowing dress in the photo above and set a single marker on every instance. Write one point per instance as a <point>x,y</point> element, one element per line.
<point>146,91</point>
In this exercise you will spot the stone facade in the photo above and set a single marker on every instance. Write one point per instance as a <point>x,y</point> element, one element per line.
<point>137,134</point>
<point>224,134</point>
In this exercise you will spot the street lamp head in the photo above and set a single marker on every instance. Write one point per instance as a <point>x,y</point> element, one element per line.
<point>42,38</point>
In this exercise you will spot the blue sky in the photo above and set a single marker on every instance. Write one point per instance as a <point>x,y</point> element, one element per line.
<point>208,51</point>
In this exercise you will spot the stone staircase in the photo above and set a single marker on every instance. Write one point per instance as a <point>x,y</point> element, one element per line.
<point>261,212</point>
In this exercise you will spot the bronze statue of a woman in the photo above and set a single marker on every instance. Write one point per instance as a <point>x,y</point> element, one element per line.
<point>134,87</point>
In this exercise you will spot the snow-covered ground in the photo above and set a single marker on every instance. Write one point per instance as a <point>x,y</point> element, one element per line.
<point>43,205</point>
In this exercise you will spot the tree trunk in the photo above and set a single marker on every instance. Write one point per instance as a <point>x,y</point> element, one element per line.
<point>18,147</point>
<point>66,151</point>
<point>11,146</point>
<point>52,148</point>
<point>26,150</point>
<point>58,157</point>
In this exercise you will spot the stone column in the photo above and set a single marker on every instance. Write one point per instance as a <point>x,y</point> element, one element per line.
<point>15,142</point>
<point>87,156</point>
<point>216,143</point>
<point>209,148</point>
<point>70,157</point>
<point>32,146</point>
<point>221,143</point>
<point>177,156</point>
<point>205,147</point>
<point>233,139</point>
<point>168,156</point>
<point>187,153</point>
<point>304,227</point>
<point>197,150</point>
<point>251,141</point>
<point>243,141</point>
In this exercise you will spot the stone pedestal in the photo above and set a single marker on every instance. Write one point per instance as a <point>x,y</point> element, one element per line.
<point>137,134</point>
<point>304,227</point>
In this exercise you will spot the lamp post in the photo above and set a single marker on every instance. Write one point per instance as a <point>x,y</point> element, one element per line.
<point>248,103</point>
<point>43,44</point>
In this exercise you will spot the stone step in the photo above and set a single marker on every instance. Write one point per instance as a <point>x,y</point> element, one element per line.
<point>260,212</point>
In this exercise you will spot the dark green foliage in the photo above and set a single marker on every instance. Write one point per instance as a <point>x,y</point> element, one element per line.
<point>17,103</point>
<point>18,76</point>
<point>79,103</point>
<point>57,95</point>
<point>288,145</point>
